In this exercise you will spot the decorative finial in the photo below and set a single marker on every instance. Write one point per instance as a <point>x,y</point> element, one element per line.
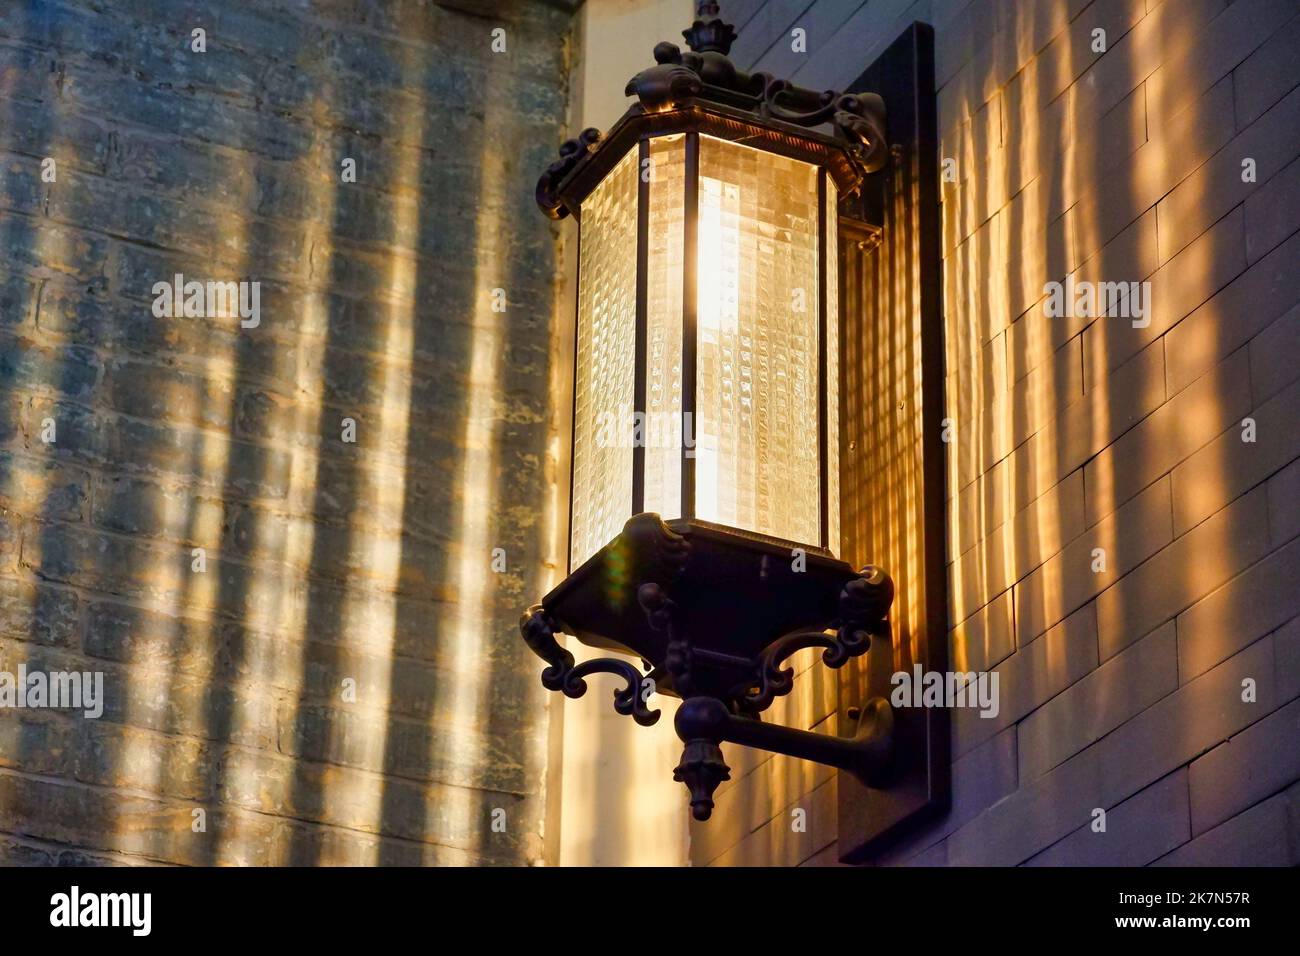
<point>708,34</point>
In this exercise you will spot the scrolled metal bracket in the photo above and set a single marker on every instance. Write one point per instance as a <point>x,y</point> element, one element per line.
<point>563,675</point>
<point>709,717</point>
<point>703,723</point>
<point>864,602</point>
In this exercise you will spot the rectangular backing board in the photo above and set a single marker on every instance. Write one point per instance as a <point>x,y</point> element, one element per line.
<point>892,450</point>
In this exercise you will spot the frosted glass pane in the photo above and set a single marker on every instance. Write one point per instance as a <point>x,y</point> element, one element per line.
<point>832,367</point>
<point>663,432</point>
<point>757,458</point>
<point>602,433</point>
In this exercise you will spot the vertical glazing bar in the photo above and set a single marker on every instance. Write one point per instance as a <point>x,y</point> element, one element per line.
<point>644,174</point>
<point>823,390</point>
<point>690,264</point>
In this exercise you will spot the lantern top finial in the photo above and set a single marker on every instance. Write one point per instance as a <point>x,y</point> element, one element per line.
<point>709,34</point>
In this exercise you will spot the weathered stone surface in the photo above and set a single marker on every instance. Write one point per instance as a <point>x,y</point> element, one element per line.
<point>38,613</point>
<point>324,562</point>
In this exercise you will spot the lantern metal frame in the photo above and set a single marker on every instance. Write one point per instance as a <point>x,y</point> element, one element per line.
<point>691,121</point>
<point>715,612</point>
<point>702,93</point>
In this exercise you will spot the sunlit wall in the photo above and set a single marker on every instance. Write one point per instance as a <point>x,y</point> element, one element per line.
<point>1120,521</point>
<point>294,540</point>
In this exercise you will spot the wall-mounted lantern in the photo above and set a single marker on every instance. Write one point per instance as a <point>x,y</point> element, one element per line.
<point>704,535</point>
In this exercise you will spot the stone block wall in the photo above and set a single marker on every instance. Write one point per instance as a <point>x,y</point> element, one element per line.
<point>295,543</point>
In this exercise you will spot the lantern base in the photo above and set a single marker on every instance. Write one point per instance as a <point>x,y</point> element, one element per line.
<point>714,614</point>
<point>662,589</point>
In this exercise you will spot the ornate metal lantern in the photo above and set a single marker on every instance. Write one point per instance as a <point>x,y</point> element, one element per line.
<point>705,491</point>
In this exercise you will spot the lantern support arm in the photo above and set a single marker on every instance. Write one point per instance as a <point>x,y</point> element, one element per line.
<point>864,755</point>
<point>703,723</point>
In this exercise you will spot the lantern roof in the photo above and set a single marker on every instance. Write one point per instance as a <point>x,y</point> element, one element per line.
<point>702,91</point>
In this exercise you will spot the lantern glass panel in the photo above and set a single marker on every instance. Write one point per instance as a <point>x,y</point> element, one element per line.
<point>663,427</point>
<point>758,455</point>
<point>606,350</point>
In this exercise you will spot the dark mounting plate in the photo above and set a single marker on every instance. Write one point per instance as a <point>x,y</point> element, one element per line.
<point>893,336</point>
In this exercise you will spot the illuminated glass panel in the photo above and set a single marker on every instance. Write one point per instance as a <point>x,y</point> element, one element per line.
<point>663,421</point>
<point>602,438</point>
<point>757,457</point>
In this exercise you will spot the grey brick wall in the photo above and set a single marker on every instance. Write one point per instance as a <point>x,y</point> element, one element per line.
<point>1121,690</point>
<point>326,560</point>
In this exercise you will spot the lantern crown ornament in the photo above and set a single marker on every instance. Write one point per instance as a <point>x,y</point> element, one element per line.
<point>709,34</point>
<point>702,90</point>
<point>704,528</point>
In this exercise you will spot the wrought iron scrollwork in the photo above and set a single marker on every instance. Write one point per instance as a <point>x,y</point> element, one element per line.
<point>538,632</point>
<point>706,73</point>
<point>671,551</point>
<point>858,118</point>
<point>777,681</point>
<point>661,614</point>
<point>571,153</point>
<point>708,718</point>
<point>864,603</point>
<point>628,701</point>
